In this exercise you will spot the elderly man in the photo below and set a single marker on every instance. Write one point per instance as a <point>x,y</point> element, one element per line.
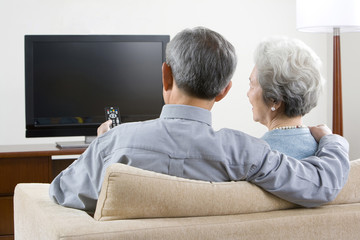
<point>181,142</point>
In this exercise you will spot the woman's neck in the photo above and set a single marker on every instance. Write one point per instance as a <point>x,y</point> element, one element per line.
<point>284,121</point>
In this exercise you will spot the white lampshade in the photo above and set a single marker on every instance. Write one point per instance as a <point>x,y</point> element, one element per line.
<point>325,15</point>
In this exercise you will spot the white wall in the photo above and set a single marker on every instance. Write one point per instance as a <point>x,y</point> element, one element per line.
<point>242,22</point>
<point>350,54</point>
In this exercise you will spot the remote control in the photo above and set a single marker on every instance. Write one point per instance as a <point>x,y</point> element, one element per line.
<point>112,113</point>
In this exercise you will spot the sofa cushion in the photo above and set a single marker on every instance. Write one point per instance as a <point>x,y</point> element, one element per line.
<point>130,192</point>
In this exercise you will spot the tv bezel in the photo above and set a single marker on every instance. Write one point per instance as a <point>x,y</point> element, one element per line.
<point>71,130</point>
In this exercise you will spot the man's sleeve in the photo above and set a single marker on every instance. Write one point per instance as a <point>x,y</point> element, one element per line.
<point>78,185</point>
<point>308,182</point>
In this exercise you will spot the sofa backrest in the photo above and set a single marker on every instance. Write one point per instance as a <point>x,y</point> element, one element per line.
<point>130,192</point>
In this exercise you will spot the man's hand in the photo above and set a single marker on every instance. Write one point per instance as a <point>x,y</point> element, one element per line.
<point>104,127</point>
<point>319,131</point>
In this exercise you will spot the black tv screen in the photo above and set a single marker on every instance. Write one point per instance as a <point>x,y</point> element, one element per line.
<point>69,80</point>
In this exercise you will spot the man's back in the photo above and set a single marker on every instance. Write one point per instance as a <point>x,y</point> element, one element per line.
<point>181,143</point>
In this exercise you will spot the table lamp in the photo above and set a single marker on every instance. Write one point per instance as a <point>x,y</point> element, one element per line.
<point>330,16</point>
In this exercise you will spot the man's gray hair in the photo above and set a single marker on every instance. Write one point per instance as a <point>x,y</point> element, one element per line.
<point>289,71</point>
<point>202,62</point>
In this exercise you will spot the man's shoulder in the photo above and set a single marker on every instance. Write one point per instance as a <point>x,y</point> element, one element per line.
<point>128,129</point>
<point>134,125</point>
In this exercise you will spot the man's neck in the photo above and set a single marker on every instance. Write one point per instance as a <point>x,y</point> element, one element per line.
<point>184,99</point>
<point>194,102</point>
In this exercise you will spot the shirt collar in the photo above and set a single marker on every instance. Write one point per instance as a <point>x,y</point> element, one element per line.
<point>186,112</point>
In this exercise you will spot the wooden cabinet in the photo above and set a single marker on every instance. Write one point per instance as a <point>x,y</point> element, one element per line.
<point>26,164</point>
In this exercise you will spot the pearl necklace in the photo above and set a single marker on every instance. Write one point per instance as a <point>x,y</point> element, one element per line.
<point>289,127</point>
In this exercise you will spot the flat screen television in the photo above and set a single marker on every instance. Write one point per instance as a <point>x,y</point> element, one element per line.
<point>70,79</point>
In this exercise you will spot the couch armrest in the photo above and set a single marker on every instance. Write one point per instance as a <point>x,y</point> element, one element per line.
<point>351,191</point>
<point>37,217</point>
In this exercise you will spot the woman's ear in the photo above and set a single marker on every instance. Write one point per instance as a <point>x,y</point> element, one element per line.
<point>276,104</point>
<point>224,92</point>
<point>167,77</point>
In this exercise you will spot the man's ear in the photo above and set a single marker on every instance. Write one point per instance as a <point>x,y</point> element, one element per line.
<point>167,77</point>
<point>224,92</point>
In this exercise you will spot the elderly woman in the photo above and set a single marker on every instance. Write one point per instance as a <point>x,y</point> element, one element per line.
<point>284,86</point>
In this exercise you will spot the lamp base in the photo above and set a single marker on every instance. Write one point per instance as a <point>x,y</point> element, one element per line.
<point>337,90</point>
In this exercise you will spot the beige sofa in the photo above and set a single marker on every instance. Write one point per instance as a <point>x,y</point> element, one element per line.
<point>139,204</point>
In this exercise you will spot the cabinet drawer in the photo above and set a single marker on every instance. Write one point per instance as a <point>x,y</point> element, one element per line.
<point>7,218</point>
<point>23,170</point>
<point>59,165</point>
<point>8,237</point>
